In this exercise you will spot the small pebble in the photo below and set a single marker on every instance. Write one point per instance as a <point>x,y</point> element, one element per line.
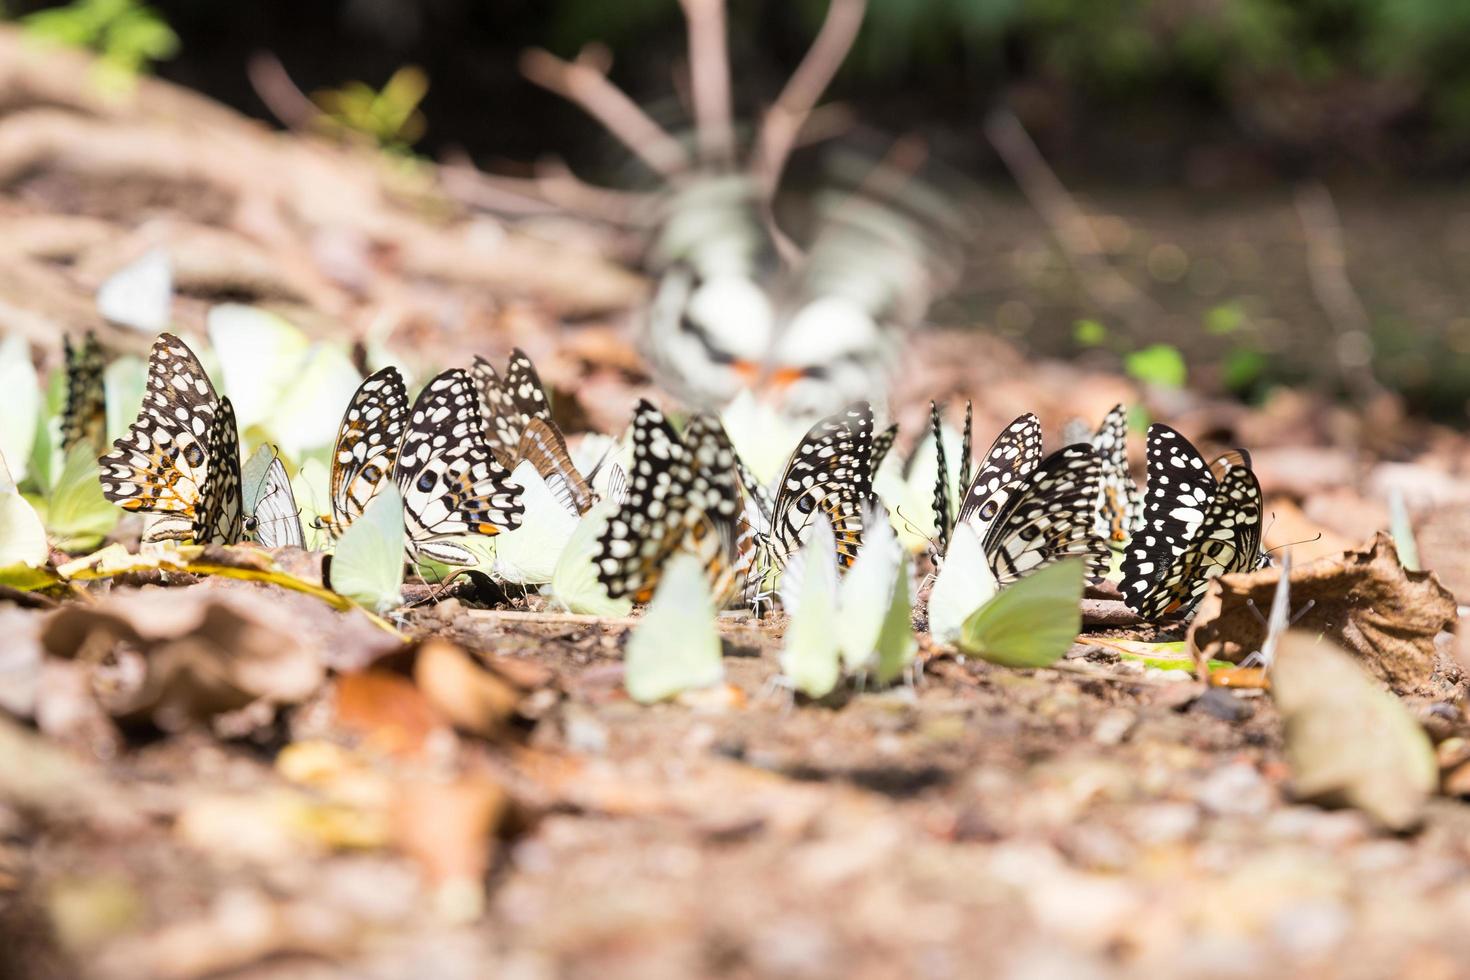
<point>1220,703</point>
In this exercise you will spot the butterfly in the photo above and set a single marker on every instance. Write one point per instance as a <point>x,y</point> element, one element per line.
<point>84,418</point>
<point>367,446</point>
<point>519,426</point>
<point>450,481</point>
<point>1028,511</point>
<point>830,473</point>
<point>1200,521</point>
<point>652,522</point>
<point>271,515</point>
<point>181,458</point>
<point>1120,507</point>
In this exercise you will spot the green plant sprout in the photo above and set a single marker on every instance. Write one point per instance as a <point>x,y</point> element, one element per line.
<point>390,119</point>
<point>127,35</point>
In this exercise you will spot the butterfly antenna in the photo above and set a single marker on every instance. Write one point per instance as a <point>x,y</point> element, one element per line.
<point>1288,544</point>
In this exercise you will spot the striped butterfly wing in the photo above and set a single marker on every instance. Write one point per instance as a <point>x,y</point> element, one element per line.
<point>1180,489</point>
<point>1050,515</point>
<point>84,417</point>
<point>510,402</point>
<point>944,504</point>
<point>882,445</point>
<point>450,481</point>
<point>1014,454</point>
<point>543,446</point>
<point>367,446</point>
<point>222,511</point>
<point>652,521</point>
<point>1228,539</point>
<point>1119,507</point>
<point>271,514</point>
<point>161,464</point>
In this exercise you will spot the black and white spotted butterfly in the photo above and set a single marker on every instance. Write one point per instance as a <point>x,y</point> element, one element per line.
<point>271,516</point>
<point>84,417</point>
<point>1028,511</point>
<point>653,519</point>
<point>180,460</point>
<point>1120,506</point>
<point>831,473</point>
<point>367,447</point>
<point>450,480</point>
<point>1200,521</point>
<point>519,426</point>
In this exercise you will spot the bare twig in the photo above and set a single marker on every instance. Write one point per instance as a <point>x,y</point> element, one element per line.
<point>585,83</point>
<point>280,94</point>
<point>785,119</point>
<point>1069,225</point>
<point>1327,268</point>
<point>554,189</point>
<point>709,75</point>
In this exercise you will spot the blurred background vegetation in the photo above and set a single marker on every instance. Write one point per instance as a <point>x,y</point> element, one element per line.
<point>1185,128</point>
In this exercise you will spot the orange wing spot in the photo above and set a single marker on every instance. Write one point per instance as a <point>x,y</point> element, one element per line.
<point>488,529</point>
<point>785,377</point>
<point>132,503</point>
<point>749,371</point>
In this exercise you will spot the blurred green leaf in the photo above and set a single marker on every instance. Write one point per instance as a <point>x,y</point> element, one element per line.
<point>1089,333</point>
<point>1160,364</point>
<point>1224,319</point>
<point>1242,368</point>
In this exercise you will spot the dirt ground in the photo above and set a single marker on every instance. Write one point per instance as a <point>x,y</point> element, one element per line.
<point>499,807</point>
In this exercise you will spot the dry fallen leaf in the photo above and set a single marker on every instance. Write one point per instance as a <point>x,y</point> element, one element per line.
<point>1363,600</point>
<point>176,655</point>
<point>449,828</point>
<point>1347,740</point>
<point>471,697</point>
<point>388,713</point>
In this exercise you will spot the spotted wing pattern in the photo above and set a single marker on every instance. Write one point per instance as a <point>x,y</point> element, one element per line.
<point>510,402</point>
<point>1050,515</point>
<point>221,514</point>
<point>882,444</point>
<point>651,523</point>
<point>272,517</point>
<point>1015,453</point>
<point>714,508</point>
<point>84,419</point>
<point>1119,507</point>
<point>367,446</point>
<point>1196,526</point>
<point>451,483</point>
<point>162,464</point>
<point>830,473</point>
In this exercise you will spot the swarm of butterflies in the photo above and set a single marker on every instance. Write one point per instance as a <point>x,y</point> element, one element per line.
<point>476,458</point>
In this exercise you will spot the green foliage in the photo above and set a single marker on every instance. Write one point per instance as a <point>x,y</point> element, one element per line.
<point>1089,333</point>
<point>1242,368</point>
<point>127,35</point>
<point>390,118</point>
<point>1159,364</point>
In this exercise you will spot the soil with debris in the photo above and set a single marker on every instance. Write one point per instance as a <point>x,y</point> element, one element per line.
<point>488,802</point>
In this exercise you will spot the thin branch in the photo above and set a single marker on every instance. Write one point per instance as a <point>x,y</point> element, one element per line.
<point>554,189</point>
<point>585,83</point>
<point>280,94</point>
<point>785,119</point>
<point>1327,268</point>
<point>709,75</point>
<point>1069,225</point>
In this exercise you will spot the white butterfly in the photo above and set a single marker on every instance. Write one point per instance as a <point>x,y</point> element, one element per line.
<point>140,295</point>
<point>676,645</point>
<point>271,514</point>
<point>367,565</point>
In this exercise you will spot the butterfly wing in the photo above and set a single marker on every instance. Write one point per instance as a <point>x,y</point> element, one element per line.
<point>651,522</point>
<point>1227,540</point>
<point>510,402</point>
<point>714,507</point>
<point>1118,497</point>
<point>829,473</point>
<point>1049,516</point>
<point>161,464</point>
<point>1180,489</point>
<point>543,446</point>
<point>271,514</point>
<point>1011,458</point>
<point>84,419</point>
<point>221,512</point>
<point>367,445</point>
<point>451,484</point>
<point>882,443</point>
